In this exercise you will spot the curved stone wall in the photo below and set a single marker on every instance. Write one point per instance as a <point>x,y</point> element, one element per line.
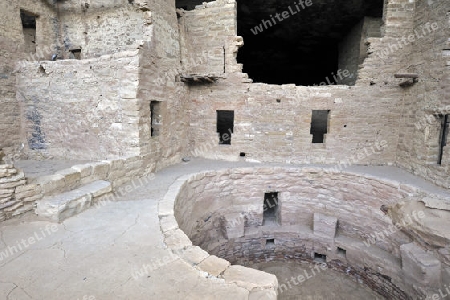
<point>345,217</point>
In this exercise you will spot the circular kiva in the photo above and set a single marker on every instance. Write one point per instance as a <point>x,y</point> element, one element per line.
<point>381,231</point>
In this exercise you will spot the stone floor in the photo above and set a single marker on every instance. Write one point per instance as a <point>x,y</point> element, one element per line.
<point>319,284</point>
<point>101,253</point>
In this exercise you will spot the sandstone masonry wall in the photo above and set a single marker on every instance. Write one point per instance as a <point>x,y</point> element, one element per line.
<point>322,211</point>
<point>16,196</point>
<point>272,123</point>
<point>12,50</point>
<point>424,101</point>
<point>209,32</point>
<point>159,82</point>
<point>99,108</point>
<point>102,28</point>
<point>81,109</point>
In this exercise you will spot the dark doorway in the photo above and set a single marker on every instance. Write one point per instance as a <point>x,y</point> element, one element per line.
<point>320,258</point>
<point>29,30</point>
<point>319,125</point>
<point>225,124</point>
<point>155,115</point>
<point>443,136</point>
<point>270,208</point>
<point>75,53</point>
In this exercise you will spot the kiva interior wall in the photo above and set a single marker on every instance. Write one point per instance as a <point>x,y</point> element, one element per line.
<point>389,234</point>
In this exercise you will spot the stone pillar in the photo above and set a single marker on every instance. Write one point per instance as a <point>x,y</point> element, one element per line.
<point>325,226</point>
<point>420,268</point>
<point>233,225</point>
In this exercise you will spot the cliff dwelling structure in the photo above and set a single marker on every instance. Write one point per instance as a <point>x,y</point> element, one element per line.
<point>232,149</point>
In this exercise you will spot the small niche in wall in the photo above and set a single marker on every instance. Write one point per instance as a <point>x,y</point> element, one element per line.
<point>319,125</point>
<point>445,120</point>
<point>270,208</point>
<point>155,116</point>
<point>225,125</point>
<point>320,258</point>
<point>341,252</point>
<point>75,53</point>
<point>270,243</point>
<point>29,30</point>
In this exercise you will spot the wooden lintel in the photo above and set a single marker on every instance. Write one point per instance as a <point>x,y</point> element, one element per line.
<point>197,78</point>
<point>406,75</point>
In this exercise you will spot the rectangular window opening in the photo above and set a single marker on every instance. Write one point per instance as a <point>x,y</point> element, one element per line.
<point>270,208</point>
<point>319,125</point>
<point>320,258</point>
<point>270,243</point>
<point>29,30</point>
<point>155,116</point>
<point>445,119</point>
<point>225,125</point>
<point>75,53</point>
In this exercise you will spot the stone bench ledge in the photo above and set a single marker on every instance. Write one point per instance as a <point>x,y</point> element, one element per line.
<point>65,205</point>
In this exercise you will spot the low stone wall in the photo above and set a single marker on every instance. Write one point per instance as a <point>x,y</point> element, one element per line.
<point>346,217</point>
<point>16,195</point>
<point>19,194</point>
<point>260,285</point>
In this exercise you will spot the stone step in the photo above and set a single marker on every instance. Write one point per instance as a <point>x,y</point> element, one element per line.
<point>60,207</point>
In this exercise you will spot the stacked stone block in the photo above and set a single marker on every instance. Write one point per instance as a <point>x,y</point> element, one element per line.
<point>16,196</point>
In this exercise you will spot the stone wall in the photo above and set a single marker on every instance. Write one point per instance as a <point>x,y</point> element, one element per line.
<point>260,285</point>
<point>159,81</point>
<point>418,147</point>
<point>102,28</point>
<point>272,123</point>
<point>81,109</point>
<point>99,107</point>
<point>16,196</point>
<point>337,214</point>
<point>353,49</point>
<point>19,195</point>
<point>209,37</point>
<point>12,50</point>
<point>349,54</point>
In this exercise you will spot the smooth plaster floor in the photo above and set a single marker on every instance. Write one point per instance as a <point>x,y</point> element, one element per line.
<point>96,254</point>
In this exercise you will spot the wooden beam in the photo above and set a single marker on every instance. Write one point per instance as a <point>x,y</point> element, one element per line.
<point>406,75</point>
